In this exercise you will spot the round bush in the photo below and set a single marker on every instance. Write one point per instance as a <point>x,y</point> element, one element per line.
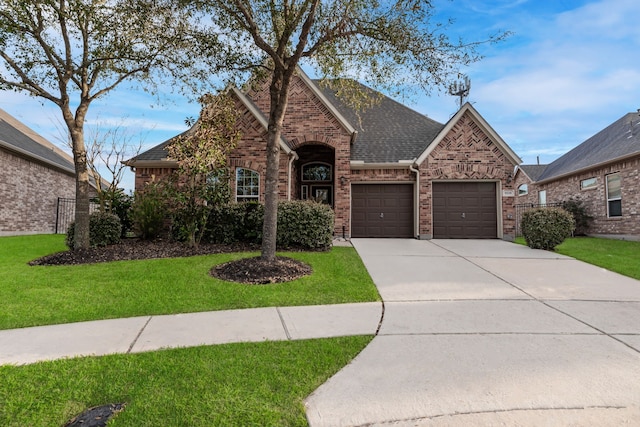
<point>104,229</point>
<point>546,228</point>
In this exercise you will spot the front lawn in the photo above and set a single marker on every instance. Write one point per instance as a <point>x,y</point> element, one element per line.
<point>253,384</point>
<point>621,256</point>
<point>43,295</point>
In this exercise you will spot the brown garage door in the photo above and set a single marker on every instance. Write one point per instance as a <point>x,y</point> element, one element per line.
<point>382,210</point>
<point>464,210</point>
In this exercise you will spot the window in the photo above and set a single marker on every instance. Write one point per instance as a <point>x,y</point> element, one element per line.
<point>316,172</point>
<point>523,190</point>
<point>247,185</point>
<point>614,195</point>
<point>585,184</point>
<point>542,197</point>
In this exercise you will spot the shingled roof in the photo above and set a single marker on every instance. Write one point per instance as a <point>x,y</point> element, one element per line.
<point>17,137</point>
<point>619,140</point>
<point>388,131</point>
<point>534,172</point>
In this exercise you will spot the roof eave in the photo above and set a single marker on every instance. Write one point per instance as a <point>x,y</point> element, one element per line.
<point>30,155</point>
<point>259,116</point>
<point>401,164</point>
<point>587,168</point>
<point>162,163</point>
<point>317,92</point>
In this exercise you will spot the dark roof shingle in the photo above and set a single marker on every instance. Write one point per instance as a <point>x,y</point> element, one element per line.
<point>15,134</point>
<point>388,131</point>
<point>620,139</point>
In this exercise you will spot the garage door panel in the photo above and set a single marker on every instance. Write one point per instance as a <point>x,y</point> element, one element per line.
<point>394,201</point>
<point>476,200</point>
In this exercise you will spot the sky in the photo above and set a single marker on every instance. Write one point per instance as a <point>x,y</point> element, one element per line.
<point>569,69</point>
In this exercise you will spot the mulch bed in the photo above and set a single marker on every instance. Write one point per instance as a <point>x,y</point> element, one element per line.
<point>260,272</point>
<point>246,270</point>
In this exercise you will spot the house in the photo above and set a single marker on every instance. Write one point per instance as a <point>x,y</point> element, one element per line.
<point>387,171</point>
<point>603,172</point>
<point>34,173</point>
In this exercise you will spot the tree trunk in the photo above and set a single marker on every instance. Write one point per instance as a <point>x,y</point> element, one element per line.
<point>279,91</point>
<point>81,237</point>
<point>75,126</point>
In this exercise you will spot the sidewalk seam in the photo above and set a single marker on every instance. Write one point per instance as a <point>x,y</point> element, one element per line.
<point>284,325</point>
<point>135,340</point>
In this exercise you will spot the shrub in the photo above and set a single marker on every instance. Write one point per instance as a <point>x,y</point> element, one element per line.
<point>235,222</point>
<point>305,224</point>
<point>149,211</point>
<point>546,228</point>
<point>120,204</point>
<point>104,229</point>
<point>580,215</point>
<point>301,224</point>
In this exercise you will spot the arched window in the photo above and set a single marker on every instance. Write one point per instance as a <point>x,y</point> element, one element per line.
<point>523,190</point>
<point>317,172</point>
<point>247,185</point>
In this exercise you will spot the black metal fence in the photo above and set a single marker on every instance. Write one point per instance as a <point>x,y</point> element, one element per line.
<point>66,212</point>
<point>520,209</point>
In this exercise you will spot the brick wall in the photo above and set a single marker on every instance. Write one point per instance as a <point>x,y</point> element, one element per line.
<point>307,122</point>
<point>467,153</point>
<point>595,201</point>
<point>29,192</point>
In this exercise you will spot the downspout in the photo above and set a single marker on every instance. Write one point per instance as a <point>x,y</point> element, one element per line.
<point>417,198</point>
<point>292,156</point>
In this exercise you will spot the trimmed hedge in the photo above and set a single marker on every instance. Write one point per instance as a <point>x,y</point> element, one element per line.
<point>104,229</point>
<point>305,224</point>
<point>301,224</point>
<point>546,228</point>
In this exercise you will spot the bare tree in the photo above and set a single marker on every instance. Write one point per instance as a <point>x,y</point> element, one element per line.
<point>72,52</point>
<point>107,148</point>
<point>393,45</point>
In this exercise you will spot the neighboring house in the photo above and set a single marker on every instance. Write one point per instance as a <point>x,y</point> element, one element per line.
<point>387,171</point>
<point>603,172</point>
<point>34,173</point>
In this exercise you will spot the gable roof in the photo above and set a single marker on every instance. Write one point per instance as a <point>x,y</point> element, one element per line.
<point>388,132</point>
<point>534,172</point>
<point>482,123</point>
<point>17,137</point>
<point>619,140</point>
<point>157,155</point>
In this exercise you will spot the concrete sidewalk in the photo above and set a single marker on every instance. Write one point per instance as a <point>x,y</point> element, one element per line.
<point>138,334</point>
<point>489,333</point>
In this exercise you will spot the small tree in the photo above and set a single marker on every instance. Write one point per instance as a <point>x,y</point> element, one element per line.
<point>201,181</point>
<point>72,52</point>
<point>580,215</point>
<point>106,151</point>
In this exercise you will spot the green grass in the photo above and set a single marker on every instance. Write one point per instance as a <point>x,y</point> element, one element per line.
<point>43,295</point>
<point>621,256</point>
<point>256,384</point>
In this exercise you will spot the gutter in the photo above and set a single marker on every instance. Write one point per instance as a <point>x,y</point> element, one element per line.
<point>37,158</point>
<point>413,168</point>
<point>587,168</point>
<point>292,156</point>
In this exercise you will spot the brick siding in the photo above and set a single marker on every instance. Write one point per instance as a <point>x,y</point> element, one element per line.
<point>29,192</point>
<point>595,200</point>
<point>466,153</point>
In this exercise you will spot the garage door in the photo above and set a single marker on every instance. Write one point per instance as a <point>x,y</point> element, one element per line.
<point>382,210</point>
<point>464,210</point>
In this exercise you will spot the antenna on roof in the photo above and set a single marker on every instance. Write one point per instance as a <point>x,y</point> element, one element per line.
<point>460,89</point>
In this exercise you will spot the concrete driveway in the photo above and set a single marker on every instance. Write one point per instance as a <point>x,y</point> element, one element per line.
<point>490,333</point>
